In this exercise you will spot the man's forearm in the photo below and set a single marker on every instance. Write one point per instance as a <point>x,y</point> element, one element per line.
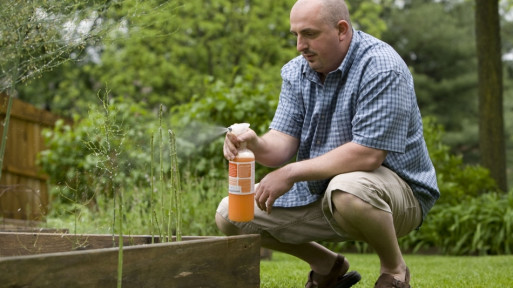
<point>346,158</point>
<point>274,148</point>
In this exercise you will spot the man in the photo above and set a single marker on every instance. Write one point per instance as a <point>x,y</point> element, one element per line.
<point>348,112</point>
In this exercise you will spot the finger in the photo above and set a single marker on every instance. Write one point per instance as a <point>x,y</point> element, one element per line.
<point>262,198</point>
<point>261,203</point>
<point>269,205</point>
<point>230,146</point>
<point>258,193</point>
<point>226,152</point>
<point>233,139</point>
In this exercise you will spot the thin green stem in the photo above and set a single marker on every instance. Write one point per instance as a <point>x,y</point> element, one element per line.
<point>5,130</point>
<point>152,190</point>
<point>158,227</point>
<point>172,203</point>
<point>12,90</point>
<point>120,238</point>
<point>161,178</point>
<point>176,189</point>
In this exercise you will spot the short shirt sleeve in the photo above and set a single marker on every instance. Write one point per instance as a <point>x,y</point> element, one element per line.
<point>383,112</point>
<point>289,115</point>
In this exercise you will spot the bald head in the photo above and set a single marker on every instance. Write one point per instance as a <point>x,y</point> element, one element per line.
<point>331,11</point>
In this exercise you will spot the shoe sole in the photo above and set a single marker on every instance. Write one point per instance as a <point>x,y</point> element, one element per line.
<point>348,280</point>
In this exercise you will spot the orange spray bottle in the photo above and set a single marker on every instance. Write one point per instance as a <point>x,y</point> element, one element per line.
<point>241,180</point>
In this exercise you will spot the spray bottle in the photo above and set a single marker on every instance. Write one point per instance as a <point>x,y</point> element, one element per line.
<point>241,188</point>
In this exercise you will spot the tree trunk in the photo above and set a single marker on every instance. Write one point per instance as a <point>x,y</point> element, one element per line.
<point>491,123</point>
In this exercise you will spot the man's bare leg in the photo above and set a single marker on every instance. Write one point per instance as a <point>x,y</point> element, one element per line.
<point>374,226</point>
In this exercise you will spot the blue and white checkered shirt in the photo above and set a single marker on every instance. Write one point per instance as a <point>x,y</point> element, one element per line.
<point>369,100</point>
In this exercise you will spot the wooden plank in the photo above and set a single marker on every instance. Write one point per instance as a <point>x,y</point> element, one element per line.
<point>24,142</point>
<point>20,167</point>
<point>18,228</point>
<point>29,173</point>
<point>25,223</point>
<point>23,201</point>
<point>25,243</point>
<point>213,262</point>
<point>28,112</point>
<point>16,225</point>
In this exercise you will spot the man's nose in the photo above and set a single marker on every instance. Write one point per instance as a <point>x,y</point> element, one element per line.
<point>301,44</point>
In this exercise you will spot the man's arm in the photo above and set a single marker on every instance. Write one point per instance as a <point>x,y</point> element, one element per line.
<point>273,149</point>
<point>349,157</point>
<point>346,158</point>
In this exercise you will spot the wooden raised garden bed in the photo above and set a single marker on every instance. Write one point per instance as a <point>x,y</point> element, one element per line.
<point>67,260</point>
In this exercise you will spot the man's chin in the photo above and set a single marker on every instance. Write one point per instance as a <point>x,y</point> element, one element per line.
<point>314,67</point>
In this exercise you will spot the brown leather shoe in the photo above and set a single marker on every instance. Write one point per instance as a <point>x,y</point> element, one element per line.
<point>386,280</point>
<point>337,278</point>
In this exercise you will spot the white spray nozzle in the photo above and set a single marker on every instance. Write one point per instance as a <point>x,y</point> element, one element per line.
<point>238,128</point>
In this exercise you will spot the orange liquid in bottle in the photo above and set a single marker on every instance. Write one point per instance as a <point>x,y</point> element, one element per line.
<point>241,198</point>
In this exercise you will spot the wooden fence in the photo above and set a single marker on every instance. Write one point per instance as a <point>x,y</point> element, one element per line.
<point>23,187</point>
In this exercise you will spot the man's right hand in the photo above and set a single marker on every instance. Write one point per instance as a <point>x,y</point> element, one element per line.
<point>232,142</point>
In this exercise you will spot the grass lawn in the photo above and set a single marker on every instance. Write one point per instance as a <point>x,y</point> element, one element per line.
<point>433,271</point>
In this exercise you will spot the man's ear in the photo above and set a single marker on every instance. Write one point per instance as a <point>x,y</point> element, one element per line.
<point>343,29</point>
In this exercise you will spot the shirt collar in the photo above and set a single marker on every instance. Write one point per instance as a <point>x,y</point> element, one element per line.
<point>344,66</point>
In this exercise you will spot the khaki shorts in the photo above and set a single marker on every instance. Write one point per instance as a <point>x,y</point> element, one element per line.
<point>381,188</point>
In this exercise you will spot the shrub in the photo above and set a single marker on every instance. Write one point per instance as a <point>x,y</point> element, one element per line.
<point>456,181</point>
<point>460,222</point>
<point>109,153</point>
<point>109,146</point>
<point>476,226</point>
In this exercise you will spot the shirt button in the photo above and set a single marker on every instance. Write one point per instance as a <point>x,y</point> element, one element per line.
<point>318,142</point>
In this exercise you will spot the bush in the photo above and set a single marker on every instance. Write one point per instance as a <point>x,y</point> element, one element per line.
<point>109,154</point>
<point>477,226</point>
<point>109,147</point>
<point>456,181</point>
<point>468,217</point>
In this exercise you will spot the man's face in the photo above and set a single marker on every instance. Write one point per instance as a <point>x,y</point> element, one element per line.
<point>317,41</point>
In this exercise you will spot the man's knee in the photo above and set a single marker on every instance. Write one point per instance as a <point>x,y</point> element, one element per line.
<point>222,223</point>
<point>354,215</point>
<point>348,205</point>
<point>226,226</point>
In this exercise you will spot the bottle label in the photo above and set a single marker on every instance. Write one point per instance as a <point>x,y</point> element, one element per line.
<point>241,177</point>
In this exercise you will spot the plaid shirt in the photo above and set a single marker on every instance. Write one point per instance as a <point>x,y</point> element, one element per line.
<point>369,100</point>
